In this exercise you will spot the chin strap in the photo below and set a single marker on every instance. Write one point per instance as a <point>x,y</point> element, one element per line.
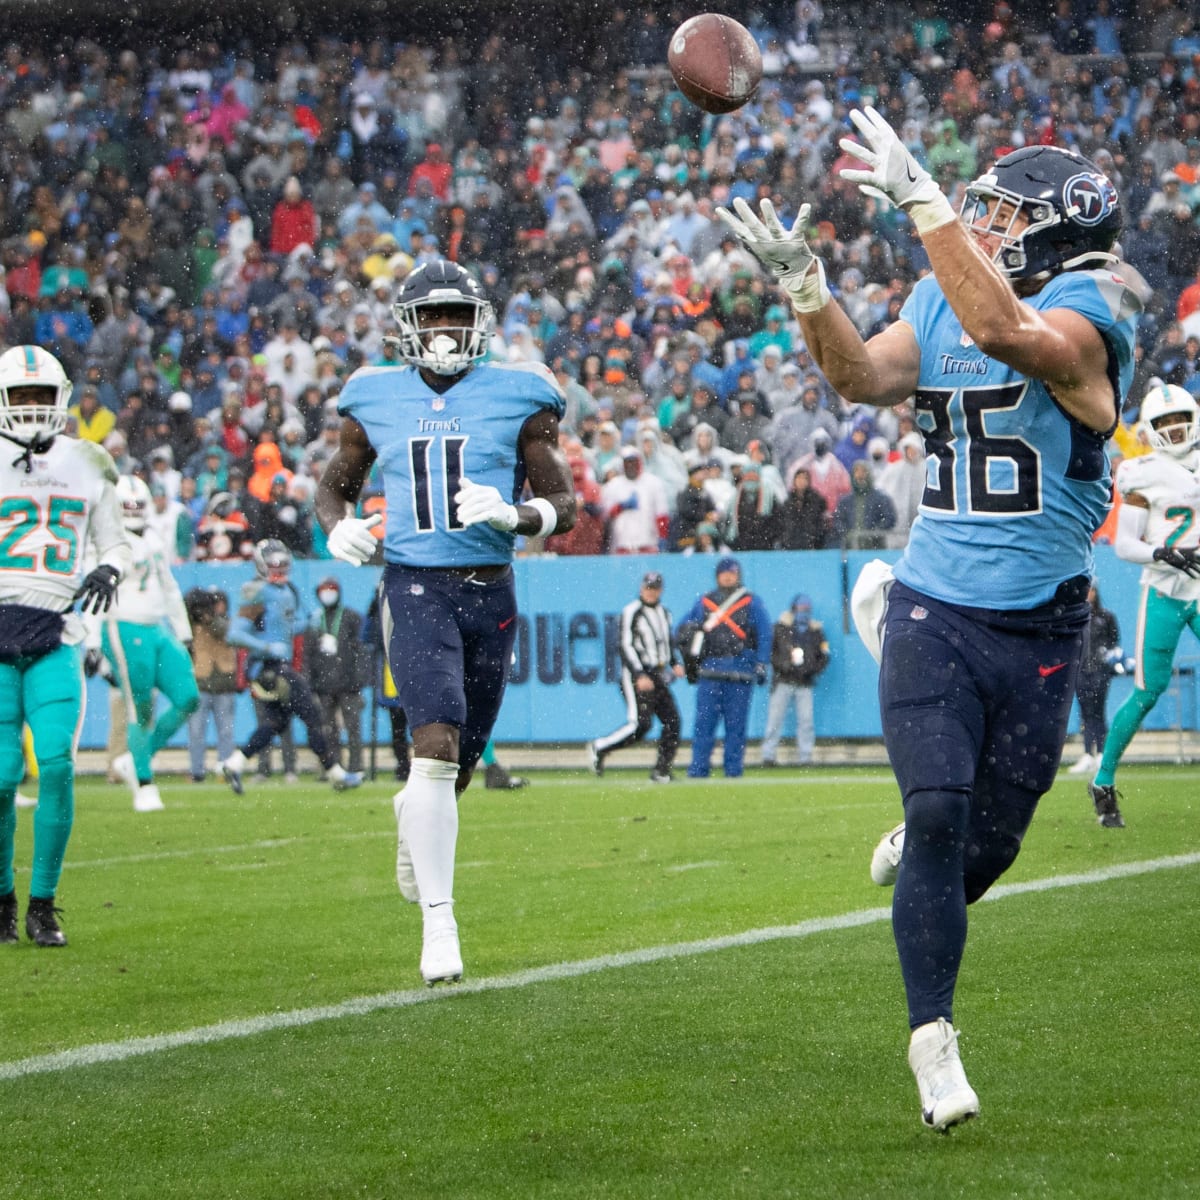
<point>38,445</point>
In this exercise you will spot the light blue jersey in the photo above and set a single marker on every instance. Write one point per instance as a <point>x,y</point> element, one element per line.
<point>427,442</point>
<point>1008,470</point>
<point>270,635</point>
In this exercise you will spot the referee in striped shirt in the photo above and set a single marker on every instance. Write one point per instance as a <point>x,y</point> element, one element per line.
<point>649,665</point>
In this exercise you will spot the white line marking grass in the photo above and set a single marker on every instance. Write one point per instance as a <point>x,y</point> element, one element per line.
<point>111,1052</point>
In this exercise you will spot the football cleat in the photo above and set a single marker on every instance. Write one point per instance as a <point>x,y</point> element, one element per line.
<point>1083,765</point>
<point>123,766</point>
<point>342,779</point>
<point>595,759</point>
<point>147,799</point>
<point>885,862</point>
<point>406,879</point>
<point>497,778</point>
<point>23,801</point>
<point>661,777</point>
<point>947,1099</point>
<point>41,922</point>
<point>232,769</point>
<point>8,918</point>
<point>1108,812</point>
<point>441,958</point>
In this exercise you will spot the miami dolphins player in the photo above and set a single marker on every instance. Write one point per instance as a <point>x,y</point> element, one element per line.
<point>57,497</point>
<point>141,643</point>
<point>1157,526</point>
<point>270,614</point>
<point>458,438</point>
<point>1017,352</point>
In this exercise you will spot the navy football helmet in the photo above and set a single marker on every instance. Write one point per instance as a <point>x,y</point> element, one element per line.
<point>272,560</point>
<point>443,349</point>
<point>1073,209</point>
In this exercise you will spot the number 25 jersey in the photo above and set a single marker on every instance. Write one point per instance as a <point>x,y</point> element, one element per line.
<point>1015,487</point>
<point>428,441</point>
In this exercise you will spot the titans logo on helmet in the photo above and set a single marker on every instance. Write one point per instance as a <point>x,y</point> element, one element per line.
<point>1091,196</point>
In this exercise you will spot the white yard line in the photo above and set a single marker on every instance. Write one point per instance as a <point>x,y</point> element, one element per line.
<point>110,1052</point>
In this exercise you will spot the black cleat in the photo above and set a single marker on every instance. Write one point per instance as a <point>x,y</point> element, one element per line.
<point>41,922</point>
<point>1108,813</point>
<point>8,918</point>
<point>495,776</point>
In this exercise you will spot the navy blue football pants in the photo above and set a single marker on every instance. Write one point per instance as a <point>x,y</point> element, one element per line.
<point>450,644</point>
<point>974,718</point>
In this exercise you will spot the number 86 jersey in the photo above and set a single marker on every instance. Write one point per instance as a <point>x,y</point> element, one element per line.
<point>428,441</point>
<point>1008,471</point>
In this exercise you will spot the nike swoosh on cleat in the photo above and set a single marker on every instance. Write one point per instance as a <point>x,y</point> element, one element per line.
<point>1046,671</point>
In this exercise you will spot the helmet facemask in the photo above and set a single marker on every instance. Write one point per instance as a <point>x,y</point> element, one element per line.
<point>444,349</point>
<point>1170,419</point>
<point>32,420</point>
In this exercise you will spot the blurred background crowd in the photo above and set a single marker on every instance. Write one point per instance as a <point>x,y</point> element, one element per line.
<point>210,232</point>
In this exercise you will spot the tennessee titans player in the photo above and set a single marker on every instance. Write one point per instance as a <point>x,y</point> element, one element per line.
<point>1018,352</point>
<point>269,616</point>
<point>457,438</point>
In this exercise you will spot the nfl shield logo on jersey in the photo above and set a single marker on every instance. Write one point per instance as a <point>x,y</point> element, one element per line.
<point>918,613</point>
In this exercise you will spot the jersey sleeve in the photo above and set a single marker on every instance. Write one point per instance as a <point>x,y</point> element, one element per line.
<point>538,384</point>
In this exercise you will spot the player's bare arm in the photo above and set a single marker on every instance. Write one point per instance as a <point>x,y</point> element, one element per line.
<point>1060,347</point>
<point>345,475</point>
<point>350,537</point>
<point>548,473</point>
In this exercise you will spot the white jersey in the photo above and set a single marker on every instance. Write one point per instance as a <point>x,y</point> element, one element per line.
<point>1172,491</point>
<point>49,515</point>
<point>149,594</point>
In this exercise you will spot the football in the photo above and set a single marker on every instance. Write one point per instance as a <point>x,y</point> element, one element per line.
<point>715,61</point>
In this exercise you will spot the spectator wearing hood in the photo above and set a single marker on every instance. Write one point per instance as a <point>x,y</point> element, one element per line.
<point>803,517</point>
<point>865,516</point>
<point>268,463</point>
<point>903,482</point>
<point>830,480</point>
<point>774,333</point>
<point>435,170</point>
<point>662,460</point>
<point>747,424</point>
<point>852,446</point>
<point>799,653</point>
<point>294,220</point>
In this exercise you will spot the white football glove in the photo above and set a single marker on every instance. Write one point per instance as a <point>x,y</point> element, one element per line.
<point>479,502</point>
<point>785,253</point>
<point>352,541</point>
<point>893,175</point>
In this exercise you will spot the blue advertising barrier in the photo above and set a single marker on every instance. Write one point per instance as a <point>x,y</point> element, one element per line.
<point>563,683</point>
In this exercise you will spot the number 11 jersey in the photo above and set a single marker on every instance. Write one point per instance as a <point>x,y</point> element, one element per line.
<point>427,441</point>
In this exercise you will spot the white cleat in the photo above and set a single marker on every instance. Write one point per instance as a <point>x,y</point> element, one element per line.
<point>232,769</point>
<point>24,801</point>
<point>341,779</point>
<point>147,799</point>
<point>885,862</point>
<point>1085,764</point>
<point>947,1099</point>
<point>406,879</point>
<point>123,766</point>
<point>441,958</point>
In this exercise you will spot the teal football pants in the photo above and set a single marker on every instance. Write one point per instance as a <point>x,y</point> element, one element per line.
<point>46,693</point>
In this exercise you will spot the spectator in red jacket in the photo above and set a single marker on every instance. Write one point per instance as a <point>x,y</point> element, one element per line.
<point>436,169</point>
<point>294,220</point>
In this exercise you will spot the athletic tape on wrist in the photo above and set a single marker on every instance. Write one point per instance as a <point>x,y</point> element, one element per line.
<point>549,515</point>
<point>813,293</point>
<point>928,215</point>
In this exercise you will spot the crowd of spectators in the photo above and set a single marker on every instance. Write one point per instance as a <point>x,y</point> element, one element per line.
<point>210,239</point>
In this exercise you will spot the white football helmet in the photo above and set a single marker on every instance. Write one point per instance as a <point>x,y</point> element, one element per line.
<point>1176,437</point>
<point>134,496</point>
<point>31,366</point>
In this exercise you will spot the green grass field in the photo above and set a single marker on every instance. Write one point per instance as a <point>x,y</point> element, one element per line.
<point>684,991</point>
